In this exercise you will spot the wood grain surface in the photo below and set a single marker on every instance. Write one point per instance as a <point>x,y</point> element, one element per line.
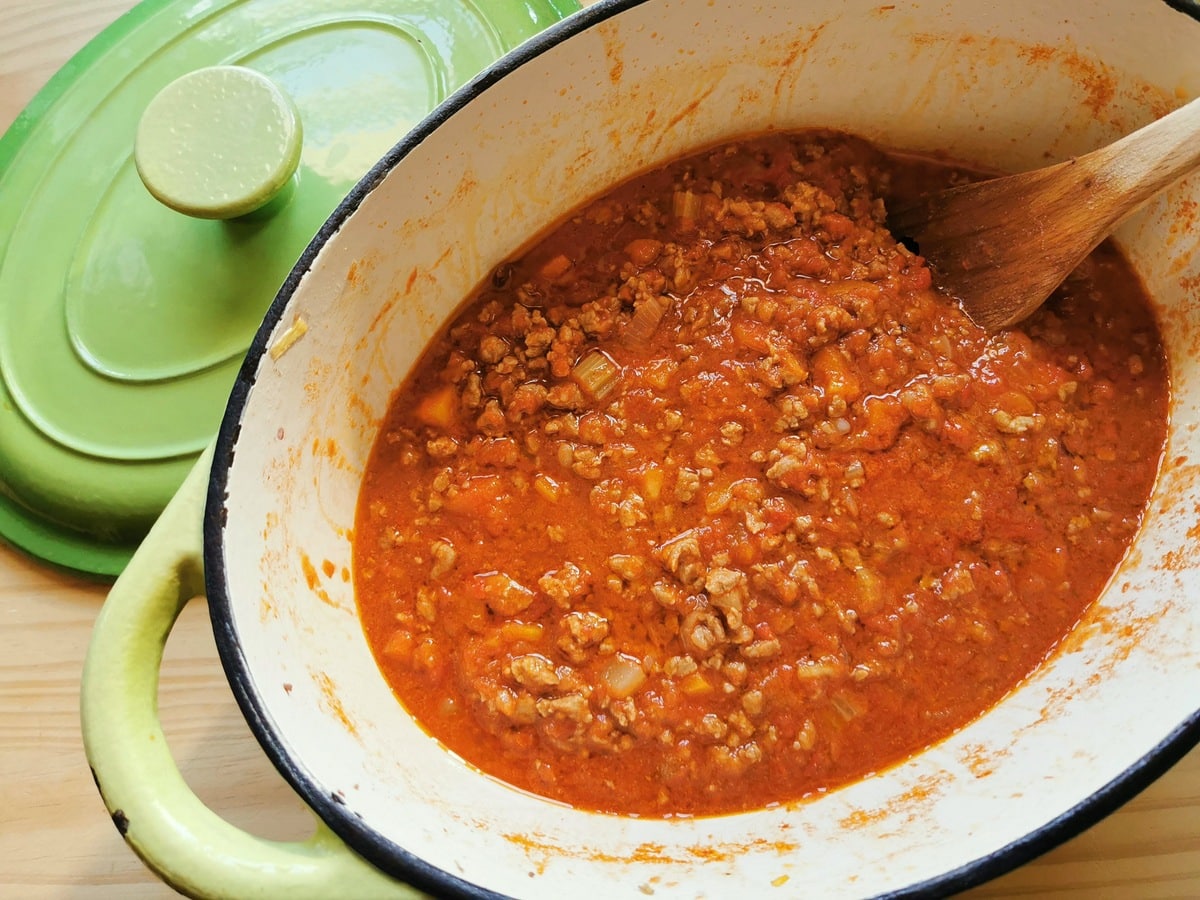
<point>56,840</point>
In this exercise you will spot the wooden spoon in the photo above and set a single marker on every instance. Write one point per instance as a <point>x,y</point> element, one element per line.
<point>1000,247</point>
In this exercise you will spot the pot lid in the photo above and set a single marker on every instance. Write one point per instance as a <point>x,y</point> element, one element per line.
<point>130,288</point>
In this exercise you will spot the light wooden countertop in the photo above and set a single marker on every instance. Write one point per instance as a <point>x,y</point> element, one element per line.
<point>56,839</point>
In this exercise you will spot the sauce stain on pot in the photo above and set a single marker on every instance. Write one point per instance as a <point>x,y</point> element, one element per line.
<point>541,849</point>
<point>981,759</point>
<point>794,62</point>
<point>926,790</point>
<point>313,579</point>
<point>1096,79</point>
<point>1184,225</point>
<point>1106,96</point>
<point>331,703</point>
<point>614,52</point>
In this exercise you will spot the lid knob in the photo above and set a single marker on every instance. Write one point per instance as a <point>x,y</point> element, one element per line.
<point>218,143</point>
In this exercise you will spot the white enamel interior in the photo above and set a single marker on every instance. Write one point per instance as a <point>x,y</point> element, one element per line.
<point>1008,84</point>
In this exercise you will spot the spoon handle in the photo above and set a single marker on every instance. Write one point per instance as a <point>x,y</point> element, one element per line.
<point>1127,173</point>
<point>1003,245</point>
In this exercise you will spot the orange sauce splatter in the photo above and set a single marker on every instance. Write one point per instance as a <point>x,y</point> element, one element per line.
<point>266,605</point>
<point>1097,81</point>
<point>314,580</point>
<point>925,788</point>
<point>690,108</point>
<point>331,702</point>
<point>385,309</point>
<point>648,852</point>
<point>981,760</point>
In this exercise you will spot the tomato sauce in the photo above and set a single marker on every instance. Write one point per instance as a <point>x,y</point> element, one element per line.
<point>709,500</point>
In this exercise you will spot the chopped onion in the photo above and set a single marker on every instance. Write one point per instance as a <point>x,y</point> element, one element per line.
<point>641,327</point>
<point>869,599</point>
<point>846,706</point>
<point>685,205</point>
<point>809,669</point>
<point>597,374</point>
<point>623,676</point>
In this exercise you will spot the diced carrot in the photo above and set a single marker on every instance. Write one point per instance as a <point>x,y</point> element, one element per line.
<point>831,369</point>
<point>652,482</point>
<point>547,487</point>
<point>399,645</point>
<point>882,422</point>
<point>514,632</point>
<point>438,408</point>
<point>746,553</point>
<point>476,495</point>
<point>643,251</point>
<point>555,267</point>
<point>752,335</point>
<point>426,655</point>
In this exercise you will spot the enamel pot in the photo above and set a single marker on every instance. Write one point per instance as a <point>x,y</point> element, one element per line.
<point>617,88</point>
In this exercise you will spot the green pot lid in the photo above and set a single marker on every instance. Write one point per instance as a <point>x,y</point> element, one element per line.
<point>130,288</point>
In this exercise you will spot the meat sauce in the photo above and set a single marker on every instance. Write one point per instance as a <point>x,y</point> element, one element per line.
<point>709,500</point>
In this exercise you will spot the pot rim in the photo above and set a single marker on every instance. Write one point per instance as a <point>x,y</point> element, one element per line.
<point>389,856</point>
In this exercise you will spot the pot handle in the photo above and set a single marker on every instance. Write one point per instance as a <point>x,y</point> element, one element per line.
<point>184,842</point>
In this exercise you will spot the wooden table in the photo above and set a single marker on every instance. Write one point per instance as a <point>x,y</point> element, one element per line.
<point>55,837</point>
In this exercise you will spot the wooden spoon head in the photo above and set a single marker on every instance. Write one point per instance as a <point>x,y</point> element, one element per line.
<point>1000,247</point>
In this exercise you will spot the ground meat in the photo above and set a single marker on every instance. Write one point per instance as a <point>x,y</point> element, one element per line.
<point>709,500</point>
<point>565,585</point>
<point>534,672</point>
<point>582,631</point>
<point>727,592</point>
<point>683,558</point>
